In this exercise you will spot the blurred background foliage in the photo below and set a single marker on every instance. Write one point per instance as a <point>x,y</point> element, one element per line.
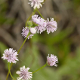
<point>65,42</point>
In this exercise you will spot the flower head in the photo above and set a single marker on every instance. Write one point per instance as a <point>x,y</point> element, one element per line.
<point>36,3</point>
<point>10,55</point>
<point>41,23</point>
<point>52,60</point>
<point>51,25</point>
<point>24,74</point>
<point>25,32</point>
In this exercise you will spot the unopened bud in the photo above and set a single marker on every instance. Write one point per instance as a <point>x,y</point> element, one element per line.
<point>33,30</point>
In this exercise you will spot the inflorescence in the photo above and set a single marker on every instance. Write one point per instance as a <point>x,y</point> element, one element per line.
<point>49,25</point>
<point>42,25</point>
<point>36,3</point>
<point>24,74</point>
<point>10,55</point>
<point>52,60</point>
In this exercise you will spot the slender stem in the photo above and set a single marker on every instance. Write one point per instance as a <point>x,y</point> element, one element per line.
<point>44,0</point>
<point>39,13</point>
<point>11,75</point>
<point>39,68</point>
<point>30,16</point>
<point>22,44</point>
<point>10,71</point>
<point>38,10</point>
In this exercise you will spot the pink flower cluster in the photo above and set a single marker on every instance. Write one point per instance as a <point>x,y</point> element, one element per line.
<point>43,25</point>
<point>36,3</point>
<point>10,55</point>
<point>24,74</point>
<point>52,60</point>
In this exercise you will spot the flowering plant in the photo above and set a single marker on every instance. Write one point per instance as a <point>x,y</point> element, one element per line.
<point>28,32</point>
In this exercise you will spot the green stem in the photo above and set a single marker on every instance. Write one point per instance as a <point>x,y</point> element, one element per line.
<point>22,44</point>
<point>39,68</point>
<point>38,10</point>
<point>10,71</point>
<point>30,16</point>
<point>44,0</point>
<point>39,13</point>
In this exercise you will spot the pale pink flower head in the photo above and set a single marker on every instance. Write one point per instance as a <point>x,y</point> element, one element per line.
<point>10,55</point>
<point>40,22</point>
<point>25,32</point>
<point>52,60</point>
<point>51,25</point>
<point>35,19</point>
<point>36,3</point>
<point>24,74</point>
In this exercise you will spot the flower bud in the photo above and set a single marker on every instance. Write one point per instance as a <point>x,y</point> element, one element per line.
<point>33,30</point>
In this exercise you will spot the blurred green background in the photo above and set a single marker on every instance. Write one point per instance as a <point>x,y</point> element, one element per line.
<point>64,43</point>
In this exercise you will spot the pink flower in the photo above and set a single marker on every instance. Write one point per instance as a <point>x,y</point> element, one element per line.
<point>24,74</point>
<point>26,31</point>
<point>41,23</point>
<point>36,3</point>
<point>52,60</point>
<point>51,25</point>
<point>10,55</point>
